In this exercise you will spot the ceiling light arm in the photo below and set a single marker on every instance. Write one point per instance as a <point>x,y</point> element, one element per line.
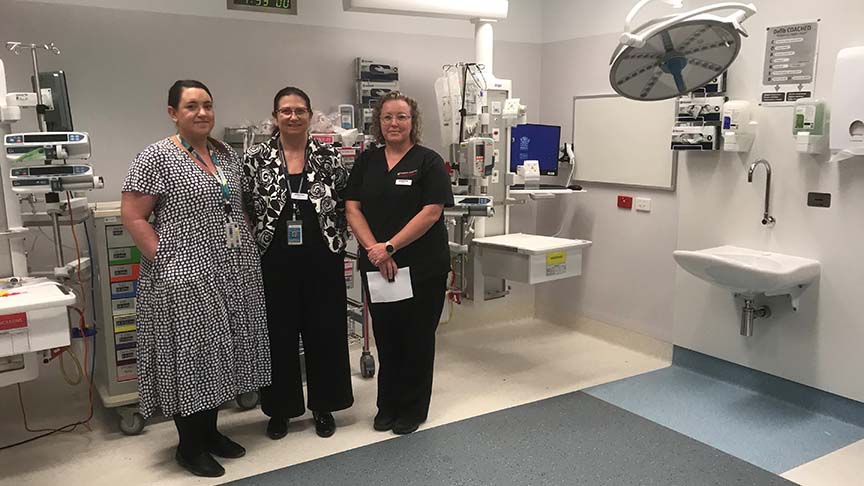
<point>743,12</point>
<point>628,21</point>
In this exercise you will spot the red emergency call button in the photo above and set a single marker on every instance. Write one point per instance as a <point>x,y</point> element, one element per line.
<point>625,202</point>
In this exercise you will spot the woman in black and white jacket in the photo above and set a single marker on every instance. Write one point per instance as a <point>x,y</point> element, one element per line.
<point>293,186</point>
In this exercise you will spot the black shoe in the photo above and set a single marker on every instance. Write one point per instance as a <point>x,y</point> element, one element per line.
<point>325,425</point>
<point>405,426</point>
<point>277,428</point>
<point>202,464</point>
<point>227,448</point>
<point>384,421</point>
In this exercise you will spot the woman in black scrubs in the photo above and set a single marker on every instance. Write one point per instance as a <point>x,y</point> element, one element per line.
<point>395,199</point>
<point>293,188</point>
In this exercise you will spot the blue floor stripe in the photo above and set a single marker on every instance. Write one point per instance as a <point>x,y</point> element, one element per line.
<point>761,429</point>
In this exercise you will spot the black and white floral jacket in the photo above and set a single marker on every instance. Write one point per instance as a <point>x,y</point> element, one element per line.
<point>265,190</point>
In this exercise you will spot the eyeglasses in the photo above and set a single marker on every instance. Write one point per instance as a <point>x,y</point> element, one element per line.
<point>401,118</point>
<point>298,112</point>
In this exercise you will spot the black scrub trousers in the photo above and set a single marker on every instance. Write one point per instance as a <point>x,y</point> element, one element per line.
<point>405,331</point>
<point>305,292</point>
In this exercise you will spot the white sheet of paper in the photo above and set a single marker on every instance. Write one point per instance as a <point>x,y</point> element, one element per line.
<point>380,290</point>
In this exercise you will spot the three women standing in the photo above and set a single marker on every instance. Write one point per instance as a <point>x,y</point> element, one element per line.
<point>209,325</point>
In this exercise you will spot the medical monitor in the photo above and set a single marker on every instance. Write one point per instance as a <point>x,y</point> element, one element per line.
<point>535,142</point>
<point>60,118</point>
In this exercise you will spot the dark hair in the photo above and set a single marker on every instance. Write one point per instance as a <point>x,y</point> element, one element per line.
<point>416,122</point>
<point>177,88</point>
<point>176,91</point>
<point>288,91</point>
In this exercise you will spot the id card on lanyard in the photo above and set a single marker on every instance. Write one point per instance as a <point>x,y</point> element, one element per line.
<point>232,228</point>
<point>294,226</point>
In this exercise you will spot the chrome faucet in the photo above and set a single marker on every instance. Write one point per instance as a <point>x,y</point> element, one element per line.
<point>767,219</point>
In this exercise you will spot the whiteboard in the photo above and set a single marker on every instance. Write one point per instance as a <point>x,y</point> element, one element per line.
<point>620,141</point>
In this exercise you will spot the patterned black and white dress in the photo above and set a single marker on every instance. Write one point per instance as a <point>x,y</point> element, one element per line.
<point>201,317</point>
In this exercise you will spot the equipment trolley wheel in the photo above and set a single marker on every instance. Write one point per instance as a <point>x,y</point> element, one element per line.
<point>131,422</point>
<point>367,365</point>
<point>248,400</point>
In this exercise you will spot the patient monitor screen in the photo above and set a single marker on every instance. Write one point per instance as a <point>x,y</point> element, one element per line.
<point>535,142</point>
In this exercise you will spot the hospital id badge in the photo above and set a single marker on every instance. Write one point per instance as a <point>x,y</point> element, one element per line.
<point>295,233</point>
<point>232,235</point>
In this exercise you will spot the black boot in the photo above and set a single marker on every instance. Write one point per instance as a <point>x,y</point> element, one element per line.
<point>384,420</point>
<point>222,446</point>
<point>277,428</point>
<point>405,426</point>
<point>325,425</point>
<point>202,464</point>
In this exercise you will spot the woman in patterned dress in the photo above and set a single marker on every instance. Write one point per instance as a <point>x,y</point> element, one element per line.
<point>295,203</point>
<point>201,318</point>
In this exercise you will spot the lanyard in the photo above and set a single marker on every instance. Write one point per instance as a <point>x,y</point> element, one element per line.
<point>219,175</point>
<point>288,179</point>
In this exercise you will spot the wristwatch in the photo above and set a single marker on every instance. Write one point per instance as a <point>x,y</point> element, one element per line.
<point>390,249</point>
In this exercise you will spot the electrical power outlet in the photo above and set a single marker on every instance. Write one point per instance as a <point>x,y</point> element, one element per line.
<point>819,199</point>
<point>642,204</point>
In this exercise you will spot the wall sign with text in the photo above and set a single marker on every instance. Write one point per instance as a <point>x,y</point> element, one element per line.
<point>269,6</point>
<point>789,72</point>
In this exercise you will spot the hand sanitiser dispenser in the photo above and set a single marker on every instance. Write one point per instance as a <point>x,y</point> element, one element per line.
<point>847,116</point>
<point>810,126</point>
<point>739,129</point>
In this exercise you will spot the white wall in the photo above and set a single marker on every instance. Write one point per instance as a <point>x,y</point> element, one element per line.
<point>628,273</point>
<point>571,19</point>
<point>819,345</point>
<point>630,276</point>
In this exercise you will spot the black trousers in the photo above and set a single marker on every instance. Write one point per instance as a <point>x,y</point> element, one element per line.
<point>405,338</point>
<point>306,297</point>
<point>196,431</point>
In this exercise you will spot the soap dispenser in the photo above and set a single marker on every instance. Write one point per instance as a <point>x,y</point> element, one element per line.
<point>810,126</point>
<point>739,129</point>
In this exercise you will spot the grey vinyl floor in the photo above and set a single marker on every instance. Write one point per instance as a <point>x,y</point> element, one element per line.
<point>569,439</point>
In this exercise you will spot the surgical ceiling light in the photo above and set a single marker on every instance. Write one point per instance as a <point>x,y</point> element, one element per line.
<point>673,55</point>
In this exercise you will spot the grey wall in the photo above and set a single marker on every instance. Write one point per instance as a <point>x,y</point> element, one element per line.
<point>120,63</point>
<point>523,22</point>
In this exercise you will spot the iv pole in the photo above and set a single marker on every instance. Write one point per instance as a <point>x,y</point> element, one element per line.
<point>52,199</point>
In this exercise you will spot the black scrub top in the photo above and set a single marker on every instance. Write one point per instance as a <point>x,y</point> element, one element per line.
<point>389,200</point>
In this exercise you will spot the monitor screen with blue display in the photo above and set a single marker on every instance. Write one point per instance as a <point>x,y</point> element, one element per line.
<point>535,142</point>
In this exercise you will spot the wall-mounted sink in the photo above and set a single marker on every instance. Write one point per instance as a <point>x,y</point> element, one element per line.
<point>750,273</point>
